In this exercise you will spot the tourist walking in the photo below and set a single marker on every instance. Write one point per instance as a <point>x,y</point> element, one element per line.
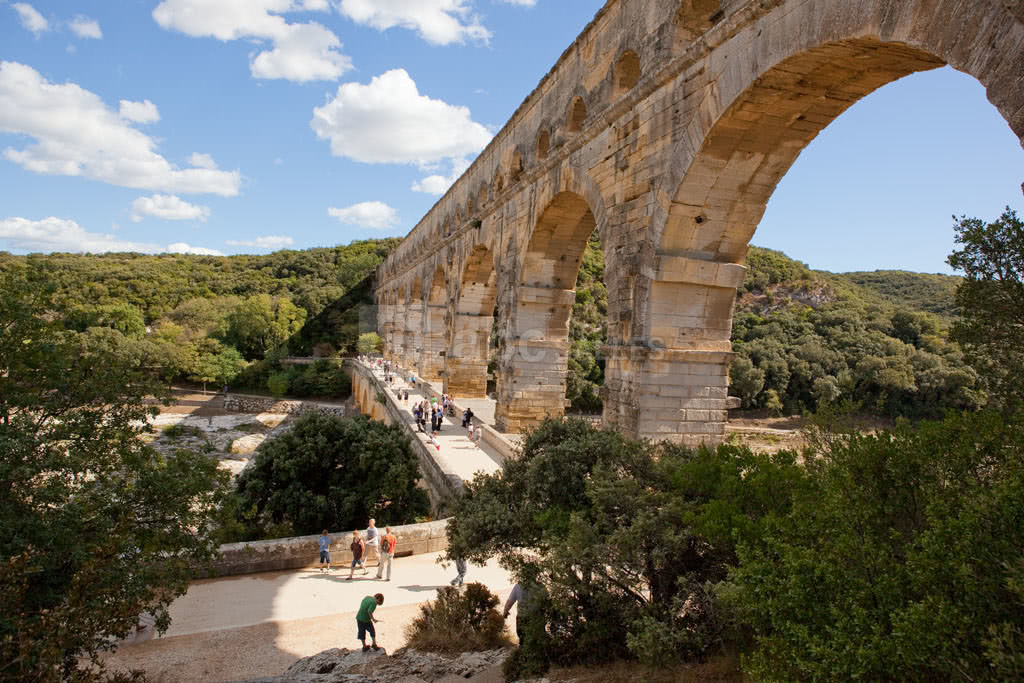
<point>460,567</point>
<point>387,552</point>
<point>467,418</point>
<point>357,547</point>
<point>524,597</point>
<point>365,619</point>
<point>372,542</point>
<point>325,551</point>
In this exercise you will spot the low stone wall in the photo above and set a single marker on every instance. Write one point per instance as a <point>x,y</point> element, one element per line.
<point>239,403</point>
<point>301,551</point>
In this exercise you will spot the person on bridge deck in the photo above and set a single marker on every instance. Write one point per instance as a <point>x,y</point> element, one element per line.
<point>325,551</point>
<point>372,541</point>
<point>357,554</point>
<point>387,552</point>
<point>467,418</point>
<point>460,567</point>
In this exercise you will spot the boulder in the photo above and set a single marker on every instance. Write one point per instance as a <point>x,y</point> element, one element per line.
<point>247,444</point>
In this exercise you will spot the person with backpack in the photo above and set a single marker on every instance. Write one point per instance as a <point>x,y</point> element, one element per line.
<point>387,552</point>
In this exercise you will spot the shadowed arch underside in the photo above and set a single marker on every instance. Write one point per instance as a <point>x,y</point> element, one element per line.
<point>465,373</point>
<point>431,365</point>
<point>534,363</point>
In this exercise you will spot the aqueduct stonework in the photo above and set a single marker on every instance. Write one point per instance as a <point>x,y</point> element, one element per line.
<point>666,126</point>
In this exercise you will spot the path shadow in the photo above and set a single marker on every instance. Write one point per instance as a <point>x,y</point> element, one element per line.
<point>421,589</point>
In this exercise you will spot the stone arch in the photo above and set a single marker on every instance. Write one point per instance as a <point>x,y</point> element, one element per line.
<point>534,363</point>
<point>499,182</point>
<point>465,372</point>
<point>626,73</point>
<point>543,144</point>
<point>434,327</point>
<point>764,107</point>
<point>577,116</point>
<point>482,194</point>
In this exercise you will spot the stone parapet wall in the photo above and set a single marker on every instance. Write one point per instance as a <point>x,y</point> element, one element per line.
<point>302,551</point>
<point>236,403</point>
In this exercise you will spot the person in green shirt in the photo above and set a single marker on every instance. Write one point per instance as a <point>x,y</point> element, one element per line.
<point>365,619</point>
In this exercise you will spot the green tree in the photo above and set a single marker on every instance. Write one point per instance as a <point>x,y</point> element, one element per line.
<point>261,323</point>
<point>332,472</point>
<point>898,561</point>
<point>991,300</point>
<point>627,539</point>
<point>96,528</point>
<point>216,362</point>
<point>368,343</point>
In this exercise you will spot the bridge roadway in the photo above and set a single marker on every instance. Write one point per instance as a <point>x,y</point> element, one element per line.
<point>456,453</point>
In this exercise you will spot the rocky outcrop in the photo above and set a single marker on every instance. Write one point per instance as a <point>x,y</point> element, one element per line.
<point>247,444</point>
<point>405,666</point>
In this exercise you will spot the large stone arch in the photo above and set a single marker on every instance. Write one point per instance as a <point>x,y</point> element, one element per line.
<point>431,365</point>
<point>533,363</point>
<point>466,358</point>
<point>778,84</point>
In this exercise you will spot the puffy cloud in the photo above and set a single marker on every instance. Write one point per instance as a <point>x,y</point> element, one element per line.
<point>59,234</point>
<point>389,121</point>
<point>299,52</point>
<point>139,112</point>
<point>168,207</point>
<point>439,184</point>
<point>367,214</point>
<point>440,22</point>
<point>202,161</point>
<point>84,27</point>
<point>183,248</point>
<point>76,134</point>
<point>267,242</point>
<point>31,19</point>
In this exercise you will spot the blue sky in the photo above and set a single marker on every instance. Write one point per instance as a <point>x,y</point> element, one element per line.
<point>231,126</point>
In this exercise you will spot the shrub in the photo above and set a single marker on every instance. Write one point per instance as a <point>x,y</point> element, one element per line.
<point>459,621</point>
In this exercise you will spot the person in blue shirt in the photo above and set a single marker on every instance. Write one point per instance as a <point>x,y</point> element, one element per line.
<point>325,551</point>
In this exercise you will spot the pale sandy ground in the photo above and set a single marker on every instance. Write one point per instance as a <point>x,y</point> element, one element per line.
<point>259,625</point>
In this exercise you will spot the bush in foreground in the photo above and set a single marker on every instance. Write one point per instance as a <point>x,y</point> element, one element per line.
<point>459,621</point>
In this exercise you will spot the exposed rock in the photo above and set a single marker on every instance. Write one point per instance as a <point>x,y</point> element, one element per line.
<point>247,444</point>
<point>340,665</point>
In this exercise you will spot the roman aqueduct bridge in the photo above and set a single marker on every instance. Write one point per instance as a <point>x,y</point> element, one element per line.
<point>666,126</point>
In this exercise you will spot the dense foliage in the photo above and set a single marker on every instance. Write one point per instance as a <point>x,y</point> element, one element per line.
<point>896,556</point>
<point>96,527</point>
<point>327,472</point>
<point>991,300</point>
<point>897,561</point>
<point>225,320</point>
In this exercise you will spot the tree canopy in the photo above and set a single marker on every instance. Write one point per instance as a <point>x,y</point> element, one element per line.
<point>96,527</point>
<point>331,472</point>
<point>991,300</point>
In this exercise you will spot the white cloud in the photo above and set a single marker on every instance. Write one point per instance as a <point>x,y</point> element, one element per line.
<point>440,22</point>
<point>168,207</point>
<point>267,242</point>
<point>59,234</point>
<point>299,52</point>
<point>439,184</point>
<point>139,112</point>
<point>31,19</point>
<point>202,161</point>
<point>76,134</point>
<point>183,248</point>
<point>84,27</point>
<point>389,121</point>
<point>367,214</point>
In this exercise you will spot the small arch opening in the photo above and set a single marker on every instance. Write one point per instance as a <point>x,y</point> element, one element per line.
<point>627,72</point>
<point>577,115</point>
<point>543,144</point>
<point>517,167</point>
